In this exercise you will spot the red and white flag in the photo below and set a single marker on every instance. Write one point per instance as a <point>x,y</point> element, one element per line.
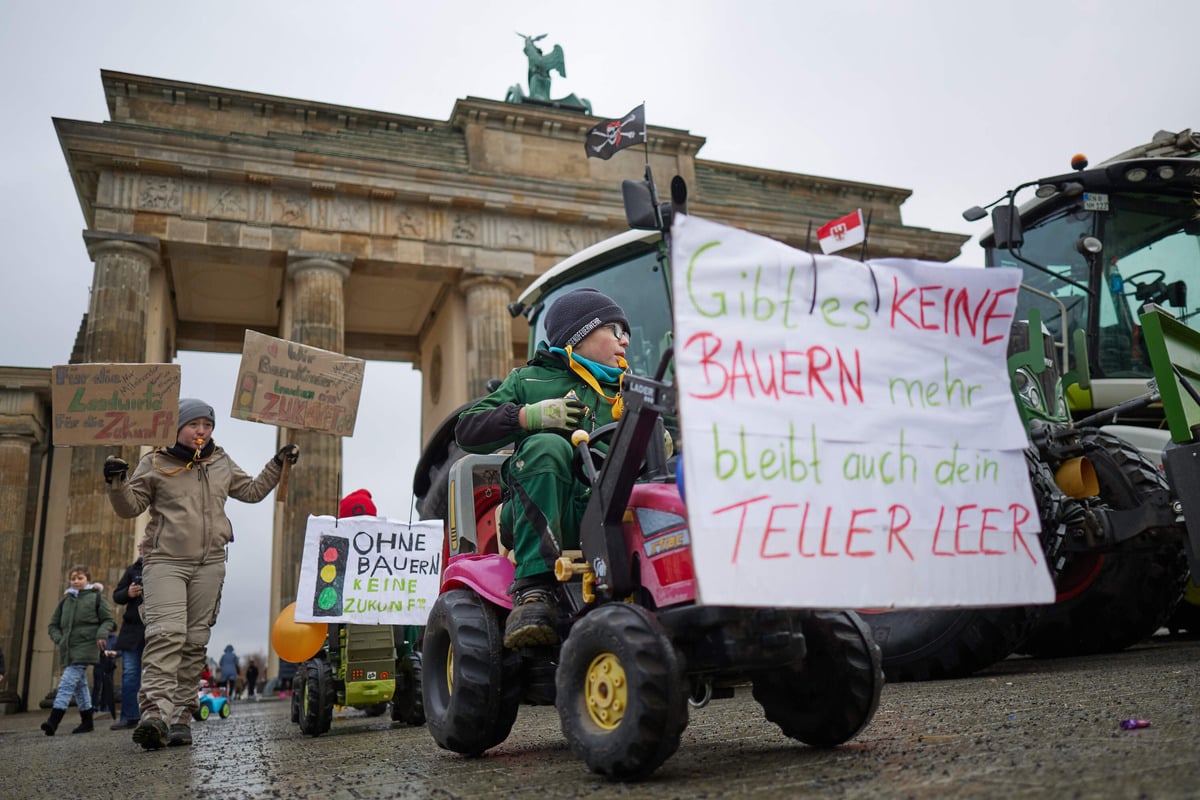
<point>841,233</point>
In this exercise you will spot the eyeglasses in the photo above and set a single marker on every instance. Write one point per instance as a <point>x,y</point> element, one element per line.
<point>617,330</point>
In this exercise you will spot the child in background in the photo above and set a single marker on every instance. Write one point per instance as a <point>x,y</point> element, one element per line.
<point>79,626</point>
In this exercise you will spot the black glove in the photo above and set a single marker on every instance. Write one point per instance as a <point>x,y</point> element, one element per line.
<point>114,467</point>
<point>289,453</point>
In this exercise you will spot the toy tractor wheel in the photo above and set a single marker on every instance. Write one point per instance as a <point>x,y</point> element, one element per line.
<point>201,713</point>
<point>406,702</point>
<point>295,704</point>
<point>834,694</point>
<point>1123,596</point>
<point>224,711</point>
<point>316,704</point>
<point>471,685</point>
<point>622,697</point>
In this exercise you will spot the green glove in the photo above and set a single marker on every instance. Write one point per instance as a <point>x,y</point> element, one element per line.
<point>557,412</point>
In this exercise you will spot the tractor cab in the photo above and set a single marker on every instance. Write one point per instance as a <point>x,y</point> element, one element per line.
<point>1095,246</point>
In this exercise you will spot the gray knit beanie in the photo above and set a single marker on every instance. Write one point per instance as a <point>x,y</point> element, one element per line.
<point>190,408</point>
<point>579,312</point>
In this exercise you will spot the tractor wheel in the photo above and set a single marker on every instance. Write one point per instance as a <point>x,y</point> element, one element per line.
<point>943,644</point>
<point>203,712</point>
<point>316,705</point>
<point>300,698</point>
<point>622,697</point>
<point>1122,596</point>
<point>406,702</point>
<point>473,687</point>
<point>224,712</point>
<point>295,703</point>
<point>833,695</point>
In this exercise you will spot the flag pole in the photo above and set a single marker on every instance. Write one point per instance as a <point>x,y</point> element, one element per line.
<point>862,256</point>
<point>645,140</point>
<point>808,237</point>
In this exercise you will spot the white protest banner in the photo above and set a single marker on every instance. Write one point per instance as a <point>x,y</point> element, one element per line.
<point>371,570</point>
<point>849,435</point>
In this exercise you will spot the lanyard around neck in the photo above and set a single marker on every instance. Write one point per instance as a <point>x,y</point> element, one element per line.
<point>616,401</point>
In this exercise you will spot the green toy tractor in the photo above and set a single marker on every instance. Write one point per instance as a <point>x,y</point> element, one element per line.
<point>360,666</point>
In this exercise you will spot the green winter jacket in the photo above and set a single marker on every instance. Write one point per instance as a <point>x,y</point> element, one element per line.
<point>493,422</point>
<point>187,503</point>
<point>78,623</point>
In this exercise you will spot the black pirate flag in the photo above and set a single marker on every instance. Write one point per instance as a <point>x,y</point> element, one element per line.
<point>610,136</point>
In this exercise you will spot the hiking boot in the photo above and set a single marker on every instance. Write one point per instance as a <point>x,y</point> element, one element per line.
<point>151,733</point>
<point>86,725</point>
<point>180,735</point>
<point>533,620</point>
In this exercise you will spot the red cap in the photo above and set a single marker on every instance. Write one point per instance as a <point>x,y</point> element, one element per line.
<point>357,504</point>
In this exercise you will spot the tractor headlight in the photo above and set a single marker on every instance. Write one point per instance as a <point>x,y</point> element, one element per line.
<point>1029,390</point>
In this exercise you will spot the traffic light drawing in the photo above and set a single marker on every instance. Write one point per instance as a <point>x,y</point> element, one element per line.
<point>331,576</point>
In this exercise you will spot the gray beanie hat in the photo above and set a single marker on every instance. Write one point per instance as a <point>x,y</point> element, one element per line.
<point>190,408</point>
<point>579,312</point>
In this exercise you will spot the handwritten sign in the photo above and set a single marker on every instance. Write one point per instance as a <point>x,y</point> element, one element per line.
<point>371,570</point>
<point>296,386</point>
<point>115,404</point>
<point>849,435</point>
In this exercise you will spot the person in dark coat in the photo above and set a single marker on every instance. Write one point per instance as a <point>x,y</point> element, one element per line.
<point>229,670</point>
<point>130,642</point>
<point>252,680</point>
<point>103,699</point>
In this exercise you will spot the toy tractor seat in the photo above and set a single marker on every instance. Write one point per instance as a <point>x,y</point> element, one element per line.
<point>473,514</point>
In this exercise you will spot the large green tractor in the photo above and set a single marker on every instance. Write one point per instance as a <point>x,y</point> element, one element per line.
<point>1102,383</point>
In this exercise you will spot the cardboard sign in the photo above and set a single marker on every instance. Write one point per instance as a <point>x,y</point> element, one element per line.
<point>296,386</point>
<point>371,570</point>
<point>115,404</point>
<point>850,438</point>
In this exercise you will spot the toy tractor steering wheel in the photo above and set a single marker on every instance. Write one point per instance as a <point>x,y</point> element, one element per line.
<point>602,434</point>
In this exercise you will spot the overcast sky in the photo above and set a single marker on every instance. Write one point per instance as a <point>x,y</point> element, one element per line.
<point>956,101</point>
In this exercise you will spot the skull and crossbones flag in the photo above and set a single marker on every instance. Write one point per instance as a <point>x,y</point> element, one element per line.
<point>609,136</point>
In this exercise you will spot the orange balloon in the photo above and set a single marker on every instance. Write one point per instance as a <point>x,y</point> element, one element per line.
<point>296,641</point>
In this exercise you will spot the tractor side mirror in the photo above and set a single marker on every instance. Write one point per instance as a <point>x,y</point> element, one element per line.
<point>1006,227</point>
<point>640,213</point>
<point>639,205</point>
<point>1177,294</point>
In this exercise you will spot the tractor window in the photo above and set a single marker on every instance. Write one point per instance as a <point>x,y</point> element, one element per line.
<point>1050,241</point>
<point>639,285</point>
<point>1151,255</point>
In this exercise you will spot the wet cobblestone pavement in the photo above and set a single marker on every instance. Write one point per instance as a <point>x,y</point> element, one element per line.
<point>1021,729</point>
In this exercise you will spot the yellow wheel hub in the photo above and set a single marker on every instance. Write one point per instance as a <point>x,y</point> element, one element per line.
<point>450,669</point>
<point>607,691</point>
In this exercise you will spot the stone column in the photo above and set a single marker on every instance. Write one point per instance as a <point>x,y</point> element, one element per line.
<point>23,441</point>
<point>116,332</point>
<point>315,316</point>
<point>489,330</point>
